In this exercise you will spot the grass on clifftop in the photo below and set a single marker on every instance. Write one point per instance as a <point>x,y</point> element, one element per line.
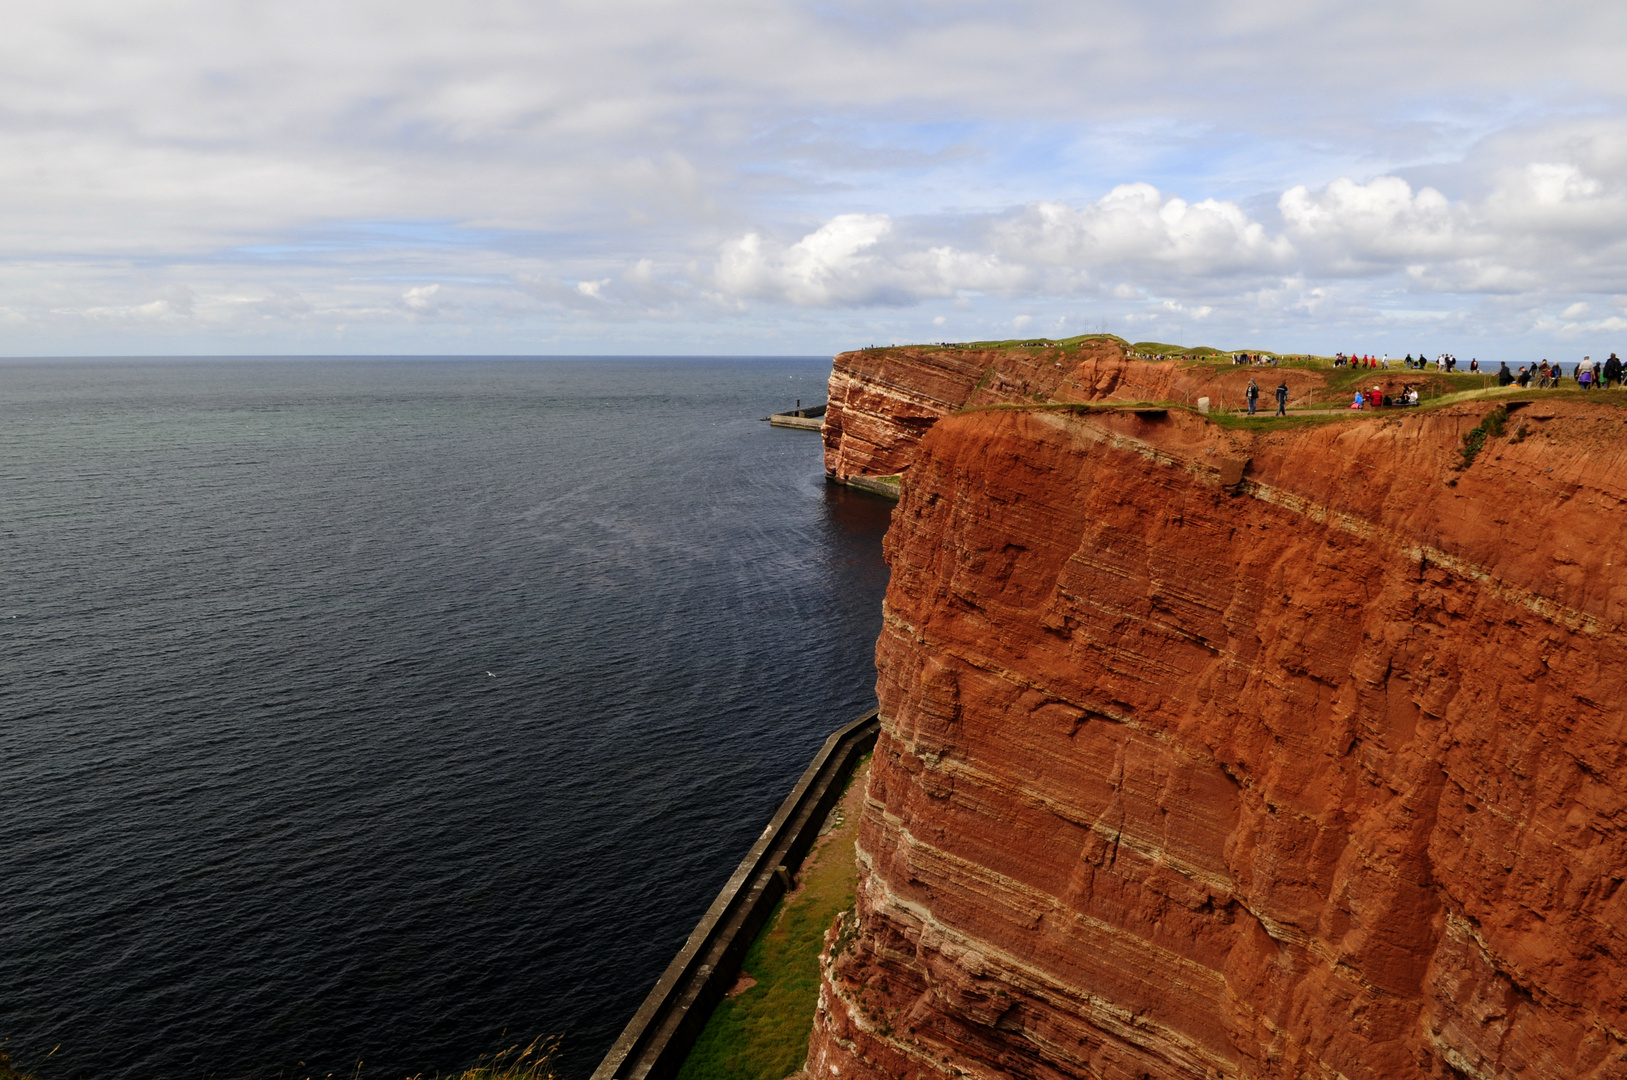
<point>762,1034</point>
<point>1017,343</point>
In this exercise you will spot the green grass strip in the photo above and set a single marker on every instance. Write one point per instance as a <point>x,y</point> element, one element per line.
<point>763,1033</point>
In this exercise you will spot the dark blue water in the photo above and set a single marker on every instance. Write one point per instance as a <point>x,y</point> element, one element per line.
<point>393,711</point>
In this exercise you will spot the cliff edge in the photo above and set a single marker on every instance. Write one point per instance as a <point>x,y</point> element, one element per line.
<point>1237,753</point>
<point>881,401</point>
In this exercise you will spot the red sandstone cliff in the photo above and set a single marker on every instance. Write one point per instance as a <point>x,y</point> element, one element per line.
<point>881,401</point>
<point>1216,754</point>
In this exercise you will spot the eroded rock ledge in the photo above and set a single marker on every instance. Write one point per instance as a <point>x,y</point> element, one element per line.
<point>881,401</point>
<point>1223,754</point>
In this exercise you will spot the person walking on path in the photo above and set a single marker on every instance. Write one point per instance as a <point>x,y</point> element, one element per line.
<point>1504,376</point>
<point>1612,371</point>
<point>1282,397</point>
<point>1253,395</point>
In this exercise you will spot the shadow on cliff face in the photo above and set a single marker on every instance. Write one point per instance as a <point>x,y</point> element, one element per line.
<point>859,516</point>
<point>855,523</point>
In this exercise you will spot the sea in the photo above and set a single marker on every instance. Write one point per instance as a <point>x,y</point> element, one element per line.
<point>365,717</point>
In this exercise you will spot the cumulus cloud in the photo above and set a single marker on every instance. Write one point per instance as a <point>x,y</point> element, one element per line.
<point>1541,228</point>
<point>1136,225</point>
<point>846,262</point>
<point>1049,248</point>
<point>1373,223</point>
<point>1542,225</point>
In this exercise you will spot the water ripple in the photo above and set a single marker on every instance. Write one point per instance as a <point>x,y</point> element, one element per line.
<point>264,804</point>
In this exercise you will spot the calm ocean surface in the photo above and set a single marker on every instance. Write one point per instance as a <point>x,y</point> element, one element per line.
<point>366,710</point>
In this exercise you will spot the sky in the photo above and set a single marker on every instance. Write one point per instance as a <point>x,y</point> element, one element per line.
<point>754,177</point>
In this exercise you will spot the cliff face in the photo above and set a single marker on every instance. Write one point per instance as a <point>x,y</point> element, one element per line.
<point>881,401</point>
<point>1209,754</point>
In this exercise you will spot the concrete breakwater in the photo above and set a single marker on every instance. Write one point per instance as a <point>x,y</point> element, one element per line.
<point>811,418</point>
<point>657,1039</point>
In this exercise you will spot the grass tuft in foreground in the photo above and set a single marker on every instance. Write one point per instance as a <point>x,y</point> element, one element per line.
<point>8,1073</point>
<point>762,1033</point>
<point>532,1062</point>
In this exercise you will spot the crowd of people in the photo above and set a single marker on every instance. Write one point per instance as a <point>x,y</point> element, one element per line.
<point>1445,362</point>
<point>1372,398</point>
<point>1590,374</point>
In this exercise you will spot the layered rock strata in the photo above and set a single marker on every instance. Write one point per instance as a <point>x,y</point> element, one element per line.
<point>1210,754</point>
<point>881,401</point>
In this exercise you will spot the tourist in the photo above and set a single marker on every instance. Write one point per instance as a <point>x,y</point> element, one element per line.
<point>1253,395</point>
<point>1376,396</point>
<point>1282,397</point>
<point>1411,396</point>
<point>1584,376</point>
<point>1474,366</point>
<point>1612,371</point>
<point>1358,402</point>
<point>1504,376</point>
<point>1524,377</point>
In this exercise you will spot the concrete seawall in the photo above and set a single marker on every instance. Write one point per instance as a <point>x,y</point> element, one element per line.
<point>810,419</point>
<point>658,1038</point>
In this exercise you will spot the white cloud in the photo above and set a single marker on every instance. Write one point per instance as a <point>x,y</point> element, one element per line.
<point>753,165</point>
<point>1134,224</point>
<point>845,262</point>
<point>1381,220</point>
<point>420,298</point>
